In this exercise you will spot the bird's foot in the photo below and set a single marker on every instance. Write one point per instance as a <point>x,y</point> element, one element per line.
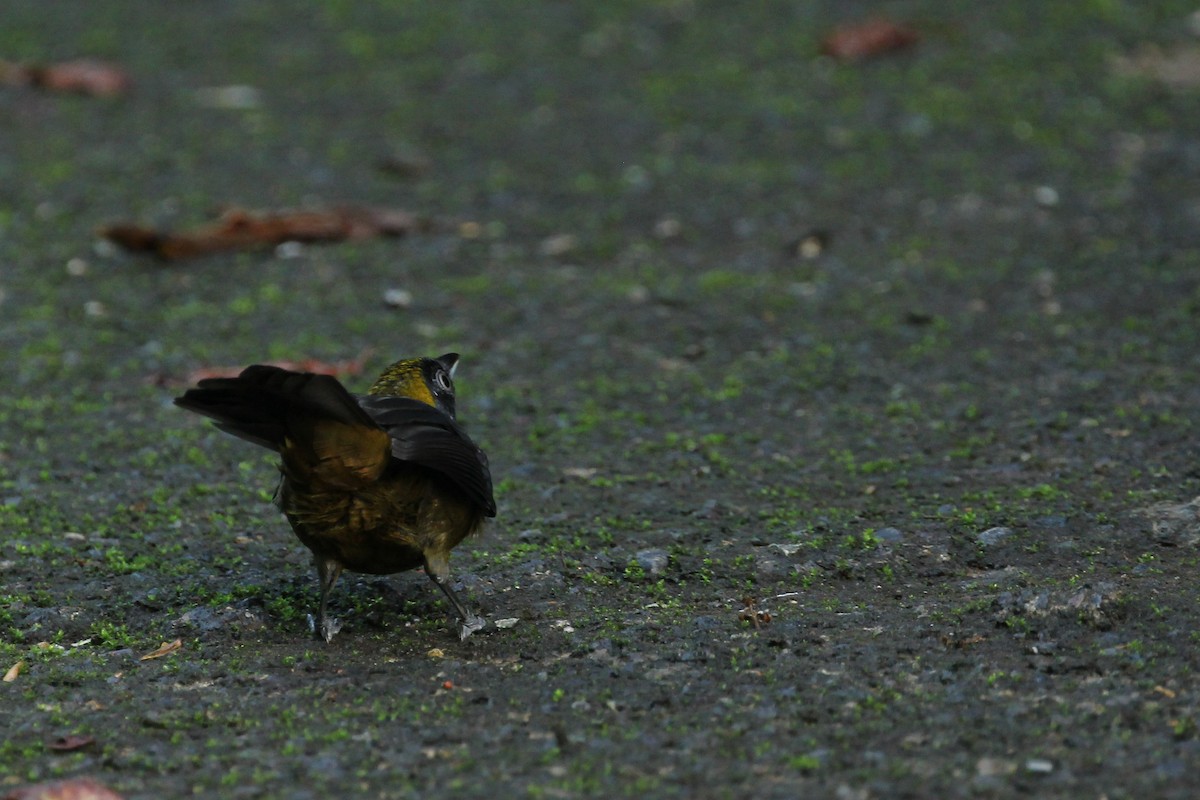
<point>470,625</point>
<point>326,629</point>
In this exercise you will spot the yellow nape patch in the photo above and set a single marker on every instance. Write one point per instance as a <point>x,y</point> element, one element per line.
<point>404,379</point>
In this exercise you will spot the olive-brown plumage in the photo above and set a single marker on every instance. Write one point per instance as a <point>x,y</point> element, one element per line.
<point>379,483</point>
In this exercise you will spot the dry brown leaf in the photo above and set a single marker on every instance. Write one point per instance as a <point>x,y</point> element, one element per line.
<point>164,649</point>
<point>75,741</point>
<point>961,643</point>
<point>752,613</point>
<point>865,39</point>
<point>72,789</point>
<point>238,229</point>
<point>14,671</point>
<point>82,76</point>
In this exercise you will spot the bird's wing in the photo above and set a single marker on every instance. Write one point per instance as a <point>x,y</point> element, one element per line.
<point>422,434</point>
<point>311,419</point>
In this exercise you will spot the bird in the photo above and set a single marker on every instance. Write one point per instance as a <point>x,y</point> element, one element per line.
<point>377,483</point>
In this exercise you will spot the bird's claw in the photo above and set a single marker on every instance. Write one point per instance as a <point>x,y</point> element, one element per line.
<point>470,625</point>
<point>327,629</point>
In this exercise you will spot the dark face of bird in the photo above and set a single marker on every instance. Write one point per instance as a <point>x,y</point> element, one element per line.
<point>430,380</point>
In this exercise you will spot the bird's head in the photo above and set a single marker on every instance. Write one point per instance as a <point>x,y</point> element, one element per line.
<point>430,380</point>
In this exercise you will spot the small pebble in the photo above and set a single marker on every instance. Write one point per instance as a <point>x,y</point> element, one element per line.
<point>889,535</point>
<point>559,244</point>
<point>668,228</point>
<point>989,766</point>
<point>398,298</point>
<point>1046,196</point>
<point>1039,766</point>
<point>289,250</point>
<point>993,536</point>
<point>237,97</point>
<point>654,560</point>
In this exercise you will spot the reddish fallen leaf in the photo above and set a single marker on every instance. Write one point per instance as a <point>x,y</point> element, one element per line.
<point>349,367</point>
<point>73,789</point>
<point>952,641</point>
<point>865,39</point>
<point>66,744</point>
<point>82,76</point>
<point>238,229</point>
<point>85,76</point>
<point>164,649</point>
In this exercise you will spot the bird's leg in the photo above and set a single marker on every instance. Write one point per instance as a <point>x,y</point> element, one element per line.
<point>437,567</point>
<point>328,570</point>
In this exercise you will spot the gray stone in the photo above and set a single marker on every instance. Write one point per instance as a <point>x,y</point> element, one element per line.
<point>889,535</point>
<point>653,560</point>
<point>993,536</point>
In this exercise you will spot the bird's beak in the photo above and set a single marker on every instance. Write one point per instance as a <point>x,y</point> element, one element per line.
<point>449,361</point>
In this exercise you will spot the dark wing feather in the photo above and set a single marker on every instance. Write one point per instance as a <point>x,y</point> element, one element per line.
<point>257,404</point>
<point>422,434</point>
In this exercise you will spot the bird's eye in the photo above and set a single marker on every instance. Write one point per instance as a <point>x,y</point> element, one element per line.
<point>442,380</point>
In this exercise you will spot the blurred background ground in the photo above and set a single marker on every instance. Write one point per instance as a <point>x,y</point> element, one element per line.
<point>842,414</point>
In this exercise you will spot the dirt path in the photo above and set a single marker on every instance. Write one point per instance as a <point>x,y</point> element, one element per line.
<point>842,415</point>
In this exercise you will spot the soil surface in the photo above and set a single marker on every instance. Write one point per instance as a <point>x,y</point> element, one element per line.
<point>843,415</point>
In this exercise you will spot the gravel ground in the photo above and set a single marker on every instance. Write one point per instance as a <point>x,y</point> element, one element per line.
<point>842,414</point>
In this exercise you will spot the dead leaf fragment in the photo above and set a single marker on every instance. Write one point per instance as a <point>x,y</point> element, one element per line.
<point>953,641</point>
<point>72,789</point>
<point>752,613</point>
<point>239,229</point>
<point>14,671</point>
<point>164,649</point>
<point>67,744</point>
<point>81,76</point>
<point>866,39</point>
